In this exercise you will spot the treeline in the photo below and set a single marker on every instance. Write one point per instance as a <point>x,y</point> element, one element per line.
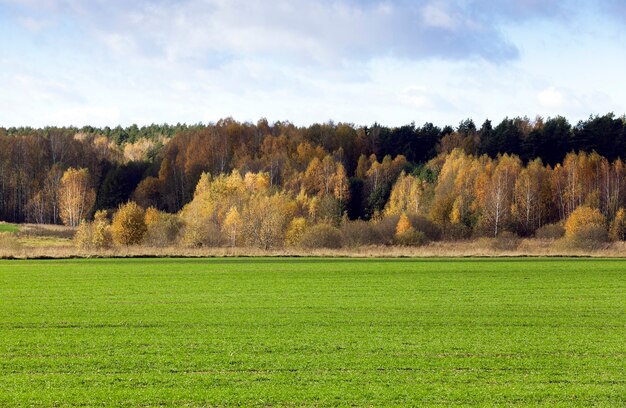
<point>583,198</point>
<point>347,171</point>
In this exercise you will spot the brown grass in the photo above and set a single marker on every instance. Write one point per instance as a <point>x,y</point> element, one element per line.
<point>475,248</point>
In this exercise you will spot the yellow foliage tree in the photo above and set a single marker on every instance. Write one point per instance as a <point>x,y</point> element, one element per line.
<point>406,195</point>
<point>256,182</point>
<point>83,235</point>
<point>495,188</point>
<point>265,219</point>
<point>296,230</point>
<point>232,225</point>
<point>313,179</point>
<point>403,226</point>
<point>101,230</point>
<point>532,196</point>
<point>151,216</point>
<point>582,218</point>
<point>455,194</point>
<point>76,197</point>
<point>129,225</point>
<point>94,235</point>
<point>340,185</point>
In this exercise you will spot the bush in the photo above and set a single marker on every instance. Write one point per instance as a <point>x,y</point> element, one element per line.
<point>592,232</point>
<point>94,235</point>
<point>590,237</point>
<point>162,229</point>
<point>580,221</point>
<point>321,236</point>
<point>386,229</point>
<point>128,226</point>
<point>101,231</point>
<point>411,237</point>
<point>359,233</point>
<point>550,231</point>
<point>202,233</point>
<point>423,224</point>
<point>83,236</point>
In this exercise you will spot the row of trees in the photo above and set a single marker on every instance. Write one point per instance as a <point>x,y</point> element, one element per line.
<point>583,197</point>
<point>351,169</point>
<point>486,196</point>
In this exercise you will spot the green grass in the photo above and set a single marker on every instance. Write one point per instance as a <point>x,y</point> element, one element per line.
<point>4,227</point>
<point>296,332</point>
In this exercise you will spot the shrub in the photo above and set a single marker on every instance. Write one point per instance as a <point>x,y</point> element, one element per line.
<point>359,233</point>
<point>593,232</point>
<point>101,231</point>
<point>550,231</point>
<point>386,229</point>
<point>590,237</point>
<point>162,229</point>
<point>128,226</point>
<point>202,233</point>
<point>94,235</point>
<point>411,237</point>
<point>423,224</point>
<point>83,237</point>
<point>321,236</point>
<point>580,221</point>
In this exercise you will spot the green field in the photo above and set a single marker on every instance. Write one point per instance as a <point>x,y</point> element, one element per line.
<point>319,332</point>
<point>4,227</point>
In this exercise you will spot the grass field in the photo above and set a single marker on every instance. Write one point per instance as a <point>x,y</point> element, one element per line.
<point>264,332</point>
<point>4,227</point>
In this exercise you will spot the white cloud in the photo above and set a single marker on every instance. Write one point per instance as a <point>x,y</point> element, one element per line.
<point>321,32</point>
<point>417,97</point>
<point>392,61</point>
<point>553,98</point>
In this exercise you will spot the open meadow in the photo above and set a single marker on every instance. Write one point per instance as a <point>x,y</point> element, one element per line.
<point>313,332</point>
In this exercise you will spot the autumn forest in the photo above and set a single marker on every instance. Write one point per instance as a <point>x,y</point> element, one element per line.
<point>330,185</point>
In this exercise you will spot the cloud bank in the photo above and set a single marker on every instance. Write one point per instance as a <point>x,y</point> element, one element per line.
<point>393,61</point>
<point>322,32</point>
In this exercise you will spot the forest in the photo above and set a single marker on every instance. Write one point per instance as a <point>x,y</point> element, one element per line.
<point>333,184</point>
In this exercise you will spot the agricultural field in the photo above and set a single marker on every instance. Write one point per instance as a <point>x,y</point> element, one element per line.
<point>313,332</point>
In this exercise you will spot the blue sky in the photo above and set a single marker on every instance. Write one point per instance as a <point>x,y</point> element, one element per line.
<point>109,62</point>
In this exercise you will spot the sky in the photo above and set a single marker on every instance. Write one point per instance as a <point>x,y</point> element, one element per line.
<point>110,62</point>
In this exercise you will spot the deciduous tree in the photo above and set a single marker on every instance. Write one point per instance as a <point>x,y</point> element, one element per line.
<point>129,225</point>
<point>76,196</point>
